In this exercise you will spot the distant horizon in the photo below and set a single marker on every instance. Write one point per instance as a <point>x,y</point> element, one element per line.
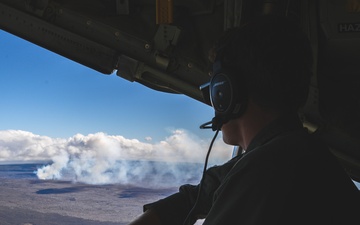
<point>43,163</point>
<point>137,173</point>
<point>100,158</point>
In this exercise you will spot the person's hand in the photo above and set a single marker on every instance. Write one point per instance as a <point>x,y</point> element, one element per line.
<point>149,217</point>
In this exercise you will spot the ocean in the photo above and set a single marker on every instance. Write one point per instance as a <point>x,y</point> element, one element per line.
<point>20,171</point>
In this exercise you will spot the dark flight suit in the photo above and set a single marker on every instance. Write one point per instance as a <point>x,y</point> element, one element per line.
<point>285,177</point>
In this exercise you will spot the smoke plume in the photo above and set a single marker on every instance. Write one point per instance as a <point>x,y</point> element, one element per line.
<point>105,159</point>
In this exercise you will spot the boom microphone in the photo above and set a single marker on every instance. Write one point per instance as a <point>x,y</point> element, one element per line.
<point>215,124</point>
<point>206,125</point>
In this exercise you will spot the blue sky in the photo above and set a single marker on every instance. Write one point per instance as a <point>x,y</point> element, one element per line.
<point>84,122</point>
<point>47,94</point>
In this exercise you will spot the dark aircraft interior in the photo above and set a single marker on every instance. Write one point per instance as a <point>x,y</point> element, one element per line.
<point>164,44</point>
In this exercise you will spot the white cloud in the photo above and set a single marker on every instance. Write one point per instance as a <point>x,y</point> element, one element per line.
<point>17,145</point>
<point>100,158</point>
<point>148,138</point>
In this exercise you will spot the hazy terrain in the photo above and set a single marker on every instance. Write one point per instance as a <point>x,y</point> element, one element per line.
<point>38,202</point>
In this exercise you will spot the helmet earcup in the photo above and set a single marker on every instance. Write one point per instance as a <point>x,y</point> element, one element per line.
<point>227,96</point>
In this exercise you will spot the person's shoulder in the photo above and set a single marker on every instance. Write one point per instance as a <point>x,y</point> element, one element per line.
<point>290,145</point>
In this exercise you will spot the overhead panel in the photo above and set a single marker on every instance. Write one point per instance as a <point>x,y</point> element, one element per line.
<point>57,39</point>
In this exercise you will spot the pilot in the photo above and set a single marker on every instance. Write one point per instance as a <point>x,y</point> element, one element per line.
<point>261,74</point>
